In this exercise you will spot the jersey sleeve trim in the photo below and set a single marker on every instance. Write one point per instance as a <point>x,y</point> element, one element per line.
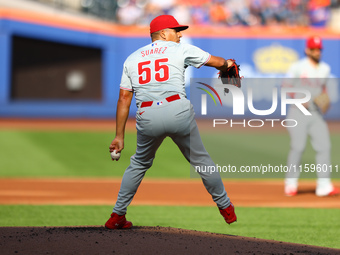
<point>126,89</point>
<point>209,56</point>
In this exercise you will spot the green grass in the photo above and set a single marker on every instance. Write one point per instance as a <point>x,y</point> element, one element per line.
<point>79,154</point>
<point>85,154</point>
<point>319,227</point>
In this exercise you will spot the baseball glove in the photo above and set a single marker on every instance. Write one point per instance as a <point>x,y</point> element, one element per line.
<point>322,101</point>
<point>231,76</point>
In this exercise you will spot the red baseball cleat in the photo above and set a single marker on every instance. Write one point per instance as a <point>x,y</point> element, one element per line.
<point>291,191</point>
<point>229,214</point>
<point>328,192</point>
<point>334,192</point>
<point>118,222</point>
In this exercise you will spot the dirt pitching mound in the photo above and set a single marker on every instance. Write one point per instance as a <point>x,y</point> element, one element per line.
<point>139,240</point>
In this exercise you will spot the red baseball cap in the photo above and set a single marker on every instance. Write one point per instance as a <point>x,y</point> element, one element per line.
<point>314,42</point>
<point>163,22</point>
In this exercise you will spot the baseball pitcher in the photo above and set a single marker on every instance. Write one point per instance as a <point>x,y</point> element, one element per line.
<point>155,74</point>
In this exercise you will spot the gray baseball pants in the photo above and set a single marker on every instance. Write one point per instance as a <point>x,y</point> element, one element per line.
<point>176,120</point>
<point>315,127</point>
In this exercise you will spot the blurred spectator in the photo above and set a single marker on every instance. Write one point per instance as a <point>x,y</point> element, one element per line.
<point>182,12</point>
<point>129,13</point>
<point>163,5</point>
<point>319,12</point>
<point>200,14</point>
<point>218,12</point>
<point>240,13</point>
<point>106,9</point>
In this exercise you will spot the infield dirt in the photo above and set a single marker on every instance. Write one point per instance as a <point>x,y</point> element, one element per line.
<point>139,240</point>
<point>103,191</point>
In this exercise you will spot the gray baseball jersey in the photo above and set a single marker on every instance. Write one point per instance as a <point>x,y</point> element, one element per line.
<point>309,77</point>
<point>156,70</point>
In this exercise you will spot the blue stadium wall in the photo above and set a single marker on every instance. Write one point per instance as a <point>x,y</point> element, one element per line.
<point>259,58</point>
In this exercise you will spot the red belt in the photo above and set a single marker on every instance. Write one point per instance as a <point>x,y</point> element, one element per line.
<point>169,99</point>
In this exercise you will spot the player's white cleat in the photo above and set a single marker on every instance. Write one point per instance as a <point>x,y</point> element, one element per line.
<point>290,190</point>
<point>327,191</point>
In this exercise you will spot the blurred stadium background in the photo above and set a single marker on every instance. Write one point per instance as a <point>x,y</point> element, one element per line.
<point>64,58</point>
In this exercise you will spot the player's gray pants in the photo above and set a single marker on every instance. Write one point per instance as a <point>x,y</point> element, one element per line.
<point>315,127</point>
<point>176,120</point>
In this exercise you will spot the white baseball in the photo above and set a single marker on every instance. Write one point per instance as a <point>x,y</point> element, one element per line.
<point>115,155</point>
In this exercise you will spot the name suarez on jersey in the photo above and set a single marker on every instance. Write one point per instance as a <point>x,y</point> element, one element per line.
<point>160,50</point>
